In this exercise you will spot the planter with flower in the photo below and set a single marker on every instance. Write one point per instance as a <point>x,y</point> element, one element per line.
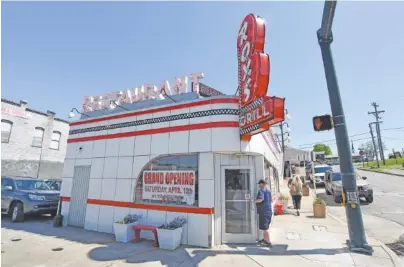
<point>319,208</point>
<point>123,228</point>
<point>170,234</point>
<point>306,190</point>
<point>284,199</point>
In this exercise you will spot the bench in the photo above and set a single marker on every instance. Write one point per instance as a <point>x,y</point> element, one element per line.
<point>138,227</point>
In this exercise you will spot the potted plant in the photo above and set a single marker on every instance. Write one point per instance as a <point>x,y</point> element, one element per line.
<point>284,200</point>
<point>170,234</point>
<point>319,208</point>
<point>306,190</point>
<point>123,228</point>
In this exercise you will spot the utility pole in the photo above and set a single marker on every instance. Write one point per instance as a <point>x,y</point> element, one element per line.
<point>357,240</point>
<point>379,137</point>
<point>374,145</point>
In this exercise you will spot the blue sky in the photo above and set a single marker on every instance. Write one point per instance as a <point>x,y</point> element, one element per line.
<point>53,54</point>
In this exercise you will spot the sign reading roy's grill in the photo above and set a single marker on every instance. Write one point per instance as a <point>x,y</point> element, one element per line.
<point>258,111</point>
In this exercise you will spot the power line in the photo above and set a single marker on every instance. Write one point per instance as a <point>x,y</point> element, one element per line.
<point>354,135</point>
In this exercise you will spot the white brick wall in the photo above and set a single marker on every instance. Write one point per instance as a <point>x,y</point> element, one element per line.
<point>19,148</point>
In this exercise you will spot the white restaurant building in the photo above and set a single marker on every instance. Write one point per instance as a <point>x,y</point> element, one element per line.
<point>185,155</point>
<point>109,157</point>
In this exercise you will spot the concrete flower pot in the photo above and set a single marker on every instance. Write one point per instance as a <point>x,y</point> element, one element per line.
<point>319,210</point>
<point>123,232</point>
<point>169,239</point>
<point>306,191</point>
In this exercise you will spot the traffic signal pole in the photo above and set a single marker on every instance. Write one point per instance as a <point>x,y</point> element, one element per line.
<point>357,239</point>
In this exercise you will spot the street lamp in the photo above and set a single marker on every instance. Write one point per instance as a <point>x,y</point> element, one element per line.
<point>113,104</point>
<point>164,94</point>
<point>71,113</point>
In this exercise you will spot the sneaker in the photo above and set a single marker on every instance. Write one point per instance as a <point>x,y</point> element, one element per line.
<point>298,213</point>
<point>265,243</point>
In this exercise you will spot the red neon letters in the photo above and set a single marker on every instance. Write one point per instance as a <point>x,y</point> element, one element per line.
<point>253,64</point>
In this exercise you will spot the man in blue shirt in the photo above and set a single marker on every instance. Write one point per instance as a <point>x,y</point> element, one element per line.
<point>264,209</point>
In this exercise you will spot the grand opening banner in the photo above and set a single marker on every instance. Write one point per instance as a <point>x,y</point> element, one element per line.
<point>178,186</point>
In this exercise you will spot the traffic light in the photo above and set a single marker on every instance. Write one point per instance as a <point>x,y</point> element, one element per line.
<point>323,123</point>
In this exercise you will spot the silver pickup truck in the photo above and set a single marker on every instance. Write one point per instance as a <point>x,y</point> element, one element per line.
<point>333,186</point>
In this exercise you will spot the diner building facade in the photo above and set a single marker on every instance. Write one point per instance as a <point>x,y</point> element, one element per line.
<point>168,159</point>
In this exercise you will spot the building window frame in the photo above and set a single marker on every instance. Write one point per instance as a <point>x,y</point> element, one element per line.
<point>9,132</point>
<point>138,190</point>
<point>55,140</point>
<point>36,138</point>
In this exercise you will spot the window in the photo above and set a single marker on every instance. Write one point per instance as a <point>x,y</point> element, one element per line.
<point>7,182</point>
<point>6,127</point>
<point>32,185</point>
<point>38,137</point>
<point>55,142</point>
<point>169,179</point>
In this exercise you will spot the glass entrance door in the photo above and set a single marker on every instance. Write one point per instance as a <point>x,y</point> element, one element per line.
<point>238,218</point>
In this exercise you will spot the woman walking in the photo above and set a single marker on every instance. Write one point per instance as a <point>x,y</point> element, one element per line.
<point>296,187</point>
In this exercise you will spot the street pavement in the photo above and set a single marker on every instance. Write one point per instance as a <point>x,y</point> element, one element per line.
<point>297,240</point>
<point>384,218</point>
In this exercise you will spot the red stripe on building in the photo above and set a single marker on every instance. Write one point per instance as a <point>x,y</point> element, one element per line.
<point>167,108</point>
<point>197,126</point>
<point>112,203</point>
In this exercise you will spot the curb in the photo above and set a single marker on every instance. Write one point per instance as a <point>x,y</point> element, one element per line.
<point>393,256</point>
<point>389,173</point>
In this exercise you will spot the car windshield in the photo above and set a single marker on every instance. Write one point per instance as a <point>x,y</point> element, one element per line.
<point>336,176</point>
<point>321,169</point>
<point>31,185</point>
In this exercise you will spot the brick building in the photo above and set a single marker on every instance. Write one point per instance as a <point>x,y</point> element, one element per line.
<point>33,143</point>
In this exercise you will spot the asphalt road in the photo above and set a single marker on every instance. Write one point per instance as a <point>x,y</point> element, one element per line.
<point>384,218</point>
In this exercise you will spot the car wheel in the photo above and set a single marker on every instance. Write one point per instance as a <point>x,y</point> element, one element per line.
<point>369,199</point>
<point>338,199</point>
<point>53,213</point>
<point>17,212</point>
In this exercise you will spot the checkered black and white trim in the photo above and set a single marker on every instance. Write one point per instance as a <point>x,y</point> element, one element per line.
<point>249,129</point>
<point>253,105</point>
<point>197,114</point>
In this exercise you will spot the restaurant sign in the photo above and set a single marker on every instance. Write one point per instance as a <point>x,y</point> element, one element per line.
<point>257,110</point>
<point>144,92</point>
<point>177,186</point>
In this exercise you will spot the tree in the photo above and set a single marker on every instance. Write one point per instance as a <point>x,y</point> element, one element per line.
<point>368,149</point>
<point>321,148</point>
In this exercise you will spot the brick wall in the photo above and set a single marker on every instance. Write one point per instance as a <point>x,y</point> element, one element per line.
<point>18,156</point>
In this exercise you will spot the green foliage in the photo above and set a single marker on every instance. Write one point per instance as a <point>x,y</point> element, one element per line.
<point>174,224</point>
<point>321,148</point>
<point>318,200</point>
<point>131,218</point>
<point>284,197</point>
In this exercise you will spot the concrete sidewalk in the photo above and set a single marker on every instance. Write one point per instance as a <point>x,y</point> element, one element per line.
<point>303,241</point>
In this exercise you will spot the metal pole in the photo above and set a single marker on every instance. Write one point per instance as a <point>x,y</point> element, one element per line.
<point>357,242</point>
<point>374,145</point>
<point>40,159</point>
<point>379,140</point>
<point>283,149</point>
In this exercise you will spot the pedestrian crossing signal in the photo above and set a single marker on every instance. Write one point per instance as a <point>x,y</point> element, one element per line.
<point>323,123</point>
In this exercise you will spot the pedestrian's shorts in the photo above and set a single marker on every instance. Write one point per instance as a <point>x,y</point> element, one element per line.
<point>264,221</point>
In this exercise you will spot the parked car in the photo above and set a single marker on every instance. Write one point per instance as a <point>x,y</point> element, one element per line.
<point>54,184</point>
<point>21,196</point>
<point>333,186</point>
<point>319,173</point>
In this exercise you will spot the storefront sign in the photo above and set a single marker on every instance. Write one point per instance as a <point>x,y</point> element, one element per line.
<point>14,112</point>
<point>253,64</point>
<point>257,110</point>
<point>144,92</point>
<point>176,186</point>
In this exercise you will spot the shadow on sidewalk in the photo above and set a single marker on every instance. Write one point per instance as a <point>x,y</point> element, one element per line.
<point>43,225</point>
<point>144,253</point>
